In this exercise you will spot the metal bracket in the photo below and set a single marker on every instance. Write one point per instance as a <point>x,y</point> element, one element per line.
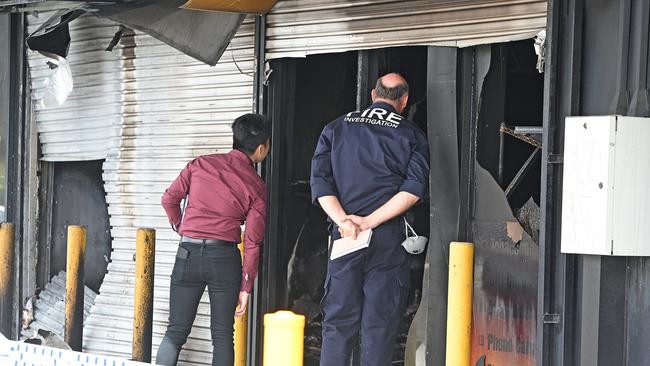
<point>551,318</point>
<point>523,136</point>
<point>555,158</point>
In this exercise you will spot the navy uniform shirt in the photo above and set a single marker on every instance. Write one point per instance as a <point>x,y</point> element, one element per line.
<point>366,157</point>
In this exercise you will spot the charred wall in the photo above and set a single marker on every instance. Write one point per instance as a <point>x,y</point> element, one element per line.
<point>78,198</point>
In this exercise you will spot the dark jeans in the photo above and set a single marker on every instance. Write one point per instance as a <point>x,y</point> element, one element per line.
<point>218,267</point>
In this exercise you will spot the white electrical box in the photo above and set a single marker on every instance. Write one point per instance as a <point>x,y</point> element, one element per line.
<point>606,186</point>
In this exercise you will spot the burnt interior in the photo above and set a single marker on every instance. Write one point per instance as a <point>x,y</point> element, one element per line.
<point>512,95</point>
<point>306,94</point>
<point>326,87</point>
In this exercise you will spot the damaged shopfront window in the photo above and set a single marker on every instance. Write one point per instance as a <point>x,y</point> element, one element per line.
<point>504,210</point>
<point>484,123</point>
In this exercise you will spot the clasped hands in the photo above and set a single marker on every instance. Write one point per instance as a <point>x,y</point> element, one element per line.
<point>352,225</point>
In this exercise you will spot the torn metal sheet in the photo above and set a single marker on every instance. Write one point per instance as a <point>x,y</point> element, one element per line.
<point>53,36</point>
<point>200,34</point>
<point>49,308</point>
<point>491,202</point>
<point>48,339</point>
<point>505,281</point>
<point>240,6</point>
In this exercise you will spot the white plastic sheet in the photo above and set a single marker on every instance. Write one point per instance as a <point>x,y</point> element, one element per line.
<point>57,86</point>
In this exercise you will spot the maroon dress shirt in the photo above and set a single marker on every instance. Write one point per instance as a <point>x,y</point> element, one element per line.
<point>223,191</point>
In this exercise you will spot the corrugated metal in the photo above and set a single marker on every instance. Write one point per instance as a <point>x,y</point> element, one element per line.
<point>87,125</point>
<point>297,28</point>
<point>174,109</point>
<point>49,308</point>
<point>171,108</point>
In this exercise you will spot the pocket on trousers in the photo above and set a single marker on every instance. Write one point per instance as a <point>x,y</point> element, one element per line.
<point>180,264</point>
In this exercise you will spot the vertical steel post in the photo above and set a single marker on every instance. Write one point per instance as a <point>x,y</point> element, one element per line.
<point>459,306</point>
<point>241,330</point>
<point>6,278</point>
<point>501,153</point>
<point>145,254</point>
<point>74,292</point>
<point>284,339</point>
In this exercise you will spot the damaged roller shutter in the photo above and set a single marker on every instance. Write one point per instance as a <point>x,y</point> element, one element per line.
<point>146,109</point>
<point>302,27</point>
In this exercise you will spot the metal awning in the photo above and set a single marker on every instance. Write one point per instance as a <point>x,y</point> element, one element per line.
<point>184,25</point>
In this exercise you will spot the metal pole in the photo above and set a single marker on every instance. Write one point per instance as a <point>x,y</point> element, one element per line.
<point>521,173</point>
<point>501,153</point>
<point>74,292</point>
<point>6,277</point>
<point>241,330</point>
<point>145,254</point>
<point>459,307</point>
<point>283,339</point>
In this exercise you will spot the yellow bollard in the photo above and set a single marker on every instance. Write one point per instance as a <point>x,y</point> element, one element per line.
<point>283,339</point>
<point>145,255</point>
<point>74,291</point>
<point>6,278</point>
<point>241,329</point>
<point>459,304</point>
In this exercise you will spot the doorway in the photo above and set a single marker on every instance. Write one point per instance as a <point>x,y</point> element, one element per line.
<point>305,95</point>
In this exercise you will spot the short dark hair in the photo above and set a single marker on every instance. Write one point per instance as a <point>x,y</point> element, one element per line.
<point>250,131</point>
<point>393,93</point>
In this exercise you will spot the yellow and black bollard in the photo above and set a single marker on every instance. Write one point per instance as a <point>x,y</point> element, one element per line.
<point>459,303</point>
<point>6,277</point>
<point>283,339</point>
<point>74,292</point>
<point>145,255</point>
<point>241,330</point>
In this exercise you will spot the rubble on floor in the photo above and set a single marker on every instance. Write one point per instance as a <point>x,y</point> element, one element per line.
<point>48,312</point>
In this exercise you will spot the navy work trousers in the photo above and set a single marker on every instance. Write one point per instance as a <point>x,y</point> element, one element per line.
<point>199,265</point>
<point>365,293</point>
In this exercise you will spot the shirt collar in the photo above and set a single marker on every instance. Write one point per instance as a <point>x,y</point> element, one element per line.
<point>384,105</point>
<point>241,157</point>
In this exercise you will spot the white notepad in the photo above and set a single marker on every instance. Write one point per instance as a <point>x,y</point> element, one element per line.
<point>344,246</point>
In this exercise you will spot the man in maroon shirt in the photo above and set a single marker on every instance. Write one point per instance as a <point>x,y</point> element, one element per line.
<point>221,192</point>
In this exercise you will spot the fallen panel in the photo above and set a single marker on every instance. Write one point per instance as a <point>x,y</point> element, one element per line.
<point>49,307</point>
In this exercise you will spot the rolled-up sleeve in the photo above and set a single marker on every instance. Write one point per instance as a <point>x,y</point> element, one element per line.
<point>322,179</point>
<point>253,236</point>
<point>416,180</point>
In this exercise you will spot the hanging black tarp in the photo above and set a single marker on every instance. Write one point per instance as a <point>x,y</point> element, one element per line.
<point>54,35</point>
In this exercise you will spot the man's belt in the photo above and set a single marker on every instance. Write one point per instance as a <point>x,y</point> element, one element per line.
<point>187,239</point>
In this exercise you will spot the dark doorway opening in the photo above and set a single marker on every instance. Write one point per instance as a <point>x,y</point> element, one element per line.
<point>305,95</point>
<point>76,196</point>
<point>512,98</point>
